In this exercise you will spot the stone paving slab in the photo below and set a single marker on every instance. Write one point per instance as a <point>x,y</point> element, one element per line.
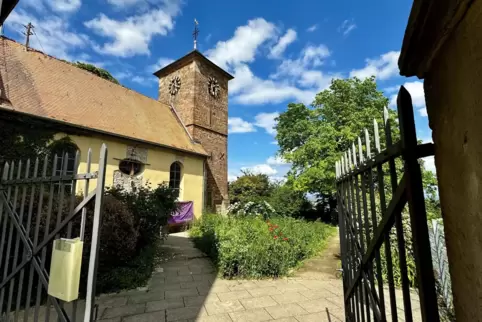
<point>255,315</point>
<point>285,310</point>
<point>185,289</point>
<point>258,302</point>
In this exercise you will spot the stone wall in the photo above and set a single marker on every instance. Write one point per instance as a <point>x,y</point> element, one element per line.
<point>210,112</point>
<point>217,164</point>
<point>184,99</point>
<point>206,118</point>
<point>454,100</point>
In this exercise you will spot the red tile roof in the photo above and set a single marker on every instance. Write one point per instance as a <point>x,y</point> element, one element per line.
<point>40,85</point>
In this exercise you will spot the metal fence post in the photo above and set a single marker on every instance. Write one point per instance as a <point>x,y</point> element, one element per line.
<point>418,215</point>
<point>94,252</point>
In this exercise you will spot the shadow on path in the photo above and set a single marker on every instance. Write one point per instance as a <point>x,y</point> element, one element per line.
<point>185,288</point>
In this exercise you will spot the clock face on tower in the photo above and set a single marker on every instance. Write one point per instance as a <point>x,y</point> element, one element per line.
<point>175,85</point>
<point>213,87</point>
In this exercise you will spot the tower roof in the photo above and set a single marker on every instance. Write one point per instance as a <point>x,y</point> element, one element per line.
<point>195,54</point>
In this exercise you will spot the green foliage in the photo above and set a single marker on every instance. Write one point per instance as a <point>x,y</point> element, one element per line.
<point>151,209</point>
<point>23,140</point>
<point>61,146</point>
<point>134,273</point>
<point>250,187</point>
<point>313,138</point>
<point>97,71</point>
<point>260,209</point>
<point>255,190</point>
<point>432,201</point>
<point>250,247</point>
<point>289,202</point>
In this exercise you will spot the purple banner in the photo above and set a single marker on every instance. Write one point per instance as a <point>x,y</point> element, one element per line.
<point>184,213</point>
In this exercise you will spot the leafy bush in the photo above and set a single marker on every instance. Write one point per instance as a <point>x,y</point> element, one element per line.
<point>129,235</point>
<point>118,233</point>
<point>251,208</point>
<point>249,246</point>
<point>250,187</point>
<point>151,209</point>
<point>289,202</point>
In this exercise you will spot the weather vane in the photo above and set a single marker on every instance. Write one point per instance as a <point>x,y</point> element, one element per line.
<point>195,33</point>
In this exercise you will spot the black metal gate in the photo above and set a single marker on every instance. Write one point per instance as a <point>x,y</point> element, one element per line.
<point>371,201</point>
<point>38,204</point>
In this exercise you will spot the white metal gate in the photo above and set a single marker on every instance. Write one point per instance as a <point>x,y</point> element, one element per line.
<point>36,196</point>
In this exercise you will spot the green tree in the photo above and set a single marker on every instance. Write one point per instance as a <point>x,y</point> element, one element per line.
<point>23,140</point>
<point>313,138</point>
<point>97,71</point>
<point>250,187</point>
<point>289,202</point>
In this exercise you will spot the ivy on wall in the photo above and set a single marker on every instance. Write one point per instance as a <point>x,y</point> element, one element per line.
<point>23,137</point>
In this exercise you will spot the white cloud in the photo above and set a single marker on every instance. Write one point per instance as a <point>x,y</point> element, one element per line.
<point>261,169</point>
<point>429,164</point>
<point>133,35</point>
<point>267,121</point>
<point>382,68</point>
<point>391,89</point>
<point>65,5</point>
<point>52,35</point>
<point>276,160</point>
<point>144,81</point>
<point>346,27</point>
<point>161,63</point>
<point>122,75</point>
<point>268,91</point>
<point>418,96</point>
<point>312,28</point>
<point>238,125</point>
<point>416,91</point>
<point>243,46</point>
<point>274,142</point>
<point>284,41</point>
<point>315,54</point>
<point>284,84</point>
<point>60,6</point>
<point>310,57</point>
<point>122,3</point>
<point>274,167</point>
<point>290,82</point>
<point>250,89</point>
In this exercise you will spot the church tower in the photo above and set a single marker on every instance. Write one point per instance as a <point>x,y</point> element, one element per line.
<point>198,91</point>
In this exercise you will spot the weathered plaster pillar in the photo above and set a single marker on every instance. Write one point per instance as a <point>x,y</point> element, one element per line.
<point>453,91</point>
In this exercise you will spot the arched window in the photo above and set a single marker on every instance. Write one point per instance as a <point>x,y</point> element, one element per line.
<point>175,176</point>
<point>63,153</point>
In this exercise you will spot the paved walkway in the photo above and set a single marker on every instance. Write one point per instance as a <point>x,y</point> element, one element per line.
<point>185,288</point>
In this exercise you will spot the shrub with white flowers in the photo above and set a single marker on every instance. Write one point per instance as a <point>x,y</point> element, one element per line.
<point>258,209</point>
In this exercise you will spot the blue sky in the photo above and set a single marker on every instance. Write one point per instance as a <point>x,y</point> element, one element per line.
<point>279,52</point>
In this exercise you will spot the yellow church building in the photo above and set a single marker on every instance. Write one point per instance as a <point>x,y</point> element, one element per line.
<point>179,139</point>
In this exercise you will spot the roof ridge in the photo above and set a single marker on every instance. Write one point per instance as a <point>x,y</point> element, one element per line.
<point>30,49</point>
<point>131,103</point>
